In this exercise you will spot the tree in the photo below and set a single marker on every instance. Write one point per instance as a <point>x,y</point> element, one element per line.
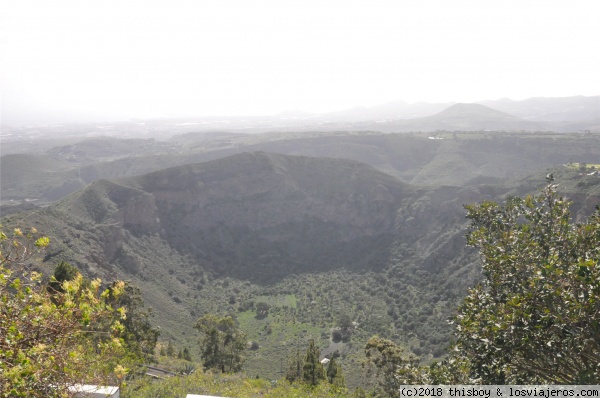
<point>385,360</point>
<point>139,334</point>
<point>295,368</point>
<point>254,345</point>
<point>535,317</point>
<point>170,349</point>
<point>45,338</point>
<point>262,310</point>
<point>313,371</point>
<point>63,272</point>
<point>334,373</point>
<point>222,344</point>
<point>345,322</point>
<point>346,326</point>
<point>186,354</point>
<point>336,335</point>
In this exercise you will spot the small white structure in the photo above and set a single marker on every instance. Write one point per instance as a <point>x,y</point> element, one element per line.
<point>324,361</point>
<point>92,391</point>
<point>201,396</point>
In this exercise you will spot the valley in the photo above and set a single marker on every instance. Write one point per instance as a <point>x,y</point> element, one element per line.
<point>316,227</point>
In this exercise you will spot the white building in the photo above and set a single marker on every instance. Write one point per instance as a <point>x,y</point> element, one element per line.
<point>92,391</point>
<point>201,396</point>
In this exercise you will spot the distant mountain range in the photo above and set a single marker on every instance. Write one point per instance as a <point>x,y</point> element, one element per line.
<point>567,114</point>
<point>447,158</point>
<point>564,109</point>
<point>461,117</point>
<point>567,109</point>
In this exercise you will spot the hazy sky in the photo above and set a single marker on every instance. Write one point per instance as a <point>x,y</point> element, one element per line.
<point>68,60</point>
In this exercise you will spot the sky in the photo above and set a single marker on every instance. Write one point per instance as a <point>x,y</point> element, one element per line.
<point>64,61</point>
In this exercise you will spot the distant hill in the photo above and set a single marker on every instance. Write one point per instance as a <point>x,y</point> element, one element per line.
<point>460,117</point>
<point>475,117</point>
<point>567,114</point>
<point>565,109</point>
<point>427,159</point>
<point>387,111</point>
<point>93,150</point>
<point>48,174</point>
<point>450,159</point>
<point>540,109</point>
<point>35,177</point>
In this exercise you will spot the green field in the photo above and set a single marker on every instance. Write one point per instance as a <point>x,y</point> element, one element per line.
<point>588,166</point>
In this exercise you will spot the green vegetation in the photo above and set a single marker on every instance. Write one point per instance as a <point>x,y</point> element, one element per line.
<point>223,344</point>
<point>230,385</point>
<point>295,368</point>
<point>306,378</point>
<point>584,166</point>
<point>62,273</point>
<point>51,339</point>
<point>185,354</point>
<point>385,360</point>
<point>138,334</point>
<point>293,249</point>
<point>334,373</point>
<point>534,317</point>
<point>313,372</point>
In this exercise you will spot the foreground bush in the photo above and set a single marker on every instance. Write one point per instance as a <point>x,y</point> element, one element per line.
<point>52,339</point>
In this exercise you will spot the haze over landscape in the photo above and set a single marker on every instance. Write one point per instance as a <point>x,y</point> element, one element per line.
<point>285,185</point>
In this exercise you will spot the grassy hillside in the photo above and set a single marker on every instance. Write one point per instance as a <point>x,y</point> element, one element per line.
<point>36,177</point>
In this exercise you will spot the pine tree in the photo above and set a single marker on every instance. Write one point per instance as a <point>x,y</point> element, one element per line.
<point>170,349</point>
<point>334,374</point>
<point>295,368</point>
<point>222,344</point>
<point>313,369</point>
<point>186,355</point>
<point>63,272</point>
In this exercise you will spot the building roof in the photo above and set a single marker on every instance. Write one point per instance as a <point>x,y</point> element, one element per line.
<point>202,396</point>
<point>90,390</point>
